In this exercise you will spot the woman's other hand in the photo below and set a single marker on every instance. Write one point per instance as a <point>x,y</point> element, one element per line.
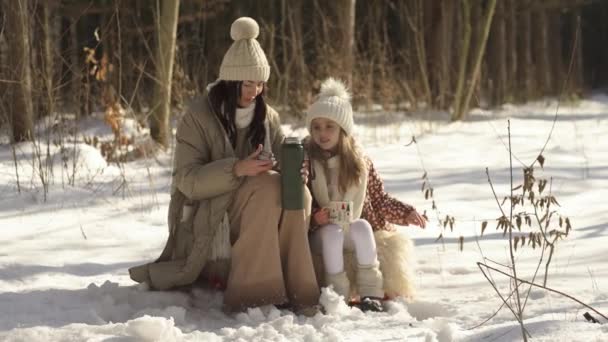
<point>251,166</point>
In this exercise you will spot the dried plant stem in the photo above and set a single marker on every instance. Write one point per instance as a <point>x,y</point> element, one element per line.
<point>540,261</point>
<point>545,288</point>
<point>547,243</point>
<point>504,301</point>
<point>520,311</point>
<point>551,249</point>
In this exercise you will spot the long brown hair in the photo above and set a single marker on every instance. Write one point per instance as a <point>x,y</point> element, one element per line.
<point>352,164</point>
<point>227,93</point>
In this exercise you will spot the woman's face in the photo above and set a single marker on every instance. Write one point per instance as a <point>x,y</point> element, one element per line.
<point>249,91</point>
<point>325,133</point>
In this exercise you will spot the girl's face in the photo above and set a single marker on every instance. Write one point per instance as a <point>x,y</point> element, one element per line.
<point>325,133</point>
<point>249,91</point>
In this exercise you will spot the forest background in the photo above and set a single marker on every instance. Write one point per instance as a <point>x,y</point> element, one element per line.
<point>145,58</point>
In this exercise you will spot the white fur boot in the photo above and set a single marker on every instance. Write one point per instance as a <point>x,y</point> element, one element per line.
<point>340,283</point>
<point>369,281</point>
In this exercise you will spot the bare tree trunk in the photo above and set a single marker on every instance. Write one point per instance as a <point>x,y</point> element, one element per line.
<point>555,51</point>
<point>498,56</point>
<point>525,65</point>
<point>464,54</point>
<point>443,52</point>
<point>419,29</point>
<point>18,37</point>
<point>488,15</point>
<point>76,85</point>
<point>346,15</point>
<point>167,31</point>
<point>407,76</point>
<point>578,70</point>
<point>299,94</point>
<point>48,60</point>
<point>476,22</point>
<point>4,86</point>
<point>541,52</point>
<point>286,72</point>
<point>512,67</point>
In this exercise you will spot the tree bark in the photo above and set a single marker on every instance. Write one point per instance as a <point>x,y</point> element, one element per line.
<point>498,56</point>
<point>419,29</point>
<point>346,14</point>
<point>443,52</point>
<point>541,53</point>
<point>48,66</point>
<point>512,67</point>
<point>555,51</point>
<point>525,65</point>
<point>75,69</point>
<point>167,31</point>
<point>577,39</point>
<point>488,16</point>
<point>18,39</point>
<point>465,24</point>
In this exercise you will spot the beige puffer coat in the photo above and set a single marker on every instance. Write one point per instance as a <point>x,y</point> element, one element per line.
<point>203,181</point>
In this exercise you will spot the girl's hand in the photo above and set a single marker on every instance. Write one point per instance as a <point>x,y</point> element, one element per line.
<point>304,171</point>
<point>251,166</point>
<point>321,217</point>
<point>416,219</point>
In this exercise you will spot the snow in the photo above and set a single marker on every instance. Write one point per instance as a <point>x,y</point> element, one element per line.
<point>64,256</point>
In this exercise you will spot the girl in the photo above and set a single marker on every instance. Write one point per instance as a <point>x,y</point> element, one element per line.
<point>346,181</point>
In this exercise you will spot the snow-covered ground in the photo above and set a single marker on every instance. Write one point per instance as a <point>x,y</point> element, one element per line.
<point>63,261</point>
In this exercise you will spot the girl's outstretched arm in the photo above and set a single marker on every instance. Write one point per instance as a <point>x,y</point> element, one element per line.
<point>393,210</point>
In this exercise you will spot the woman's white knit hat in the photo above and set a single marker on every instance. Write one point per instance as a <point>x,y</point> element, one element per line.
<point>333,102</point>
<point>245,60</point>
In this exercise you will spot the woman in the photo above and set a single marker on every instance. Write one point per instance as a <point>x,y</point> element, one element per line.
<point>222,187</point>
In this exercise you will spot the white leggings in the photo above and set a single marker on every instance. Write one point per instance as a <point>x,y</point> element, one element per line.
<point>333,240</point>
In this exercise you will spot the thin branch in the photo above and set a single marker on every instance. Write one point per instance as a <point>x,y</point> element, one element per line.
<point>495,312</point>
<point>9,81</point>
<point>16,167</point>
<point>491,280</point>
<point>546,288</point>
<point>504,301</point>
<point>503,143</point>
<point>517,297</point>
<point>494,192</point>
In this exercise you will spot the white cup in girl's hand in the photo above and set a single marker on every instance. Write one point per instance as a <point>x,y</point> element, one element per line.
<point>340,212</point>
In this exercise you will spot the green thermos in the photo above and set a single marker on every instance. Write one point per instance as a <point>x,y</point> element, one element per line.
<point>292,186</point>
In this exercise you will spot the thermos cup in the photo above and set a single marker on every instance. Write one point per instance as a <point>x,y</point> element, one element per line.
<point>292,187</point>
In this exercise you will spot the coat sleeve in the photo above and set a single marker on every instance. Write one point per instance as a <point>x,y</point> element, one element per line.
<point>393,210</point>
<point>196,175</point>
<point>276,133</point>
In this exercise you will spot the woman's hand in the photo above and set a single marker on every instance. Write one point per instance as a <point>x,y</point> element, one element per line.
<point>416,219</point>
<point>251,166</point>
<point>321,217</point>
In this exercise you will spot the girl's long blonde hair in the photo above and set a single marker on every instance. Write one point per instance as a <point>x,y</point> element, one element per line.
<point>352,163</point>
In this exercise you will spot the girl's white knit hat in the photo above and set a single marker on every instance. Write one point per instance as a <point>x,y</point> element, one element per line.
<point>333,102</point>
<point>245,60</point>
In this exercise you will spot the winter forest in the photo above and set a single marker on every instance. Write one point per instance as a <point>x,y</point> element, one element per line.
<point>487,116</point>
